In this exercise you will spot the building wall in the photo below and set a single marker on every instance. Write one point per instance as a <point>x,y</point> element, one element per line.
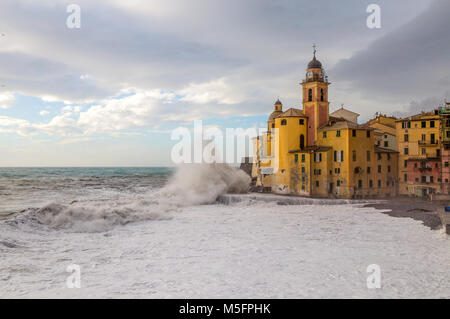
<point>417,148</point>
<point>288,140</point>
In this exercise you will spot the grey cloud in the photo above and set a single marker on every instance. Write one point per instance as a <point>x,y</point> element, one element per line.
<point>409,64</point>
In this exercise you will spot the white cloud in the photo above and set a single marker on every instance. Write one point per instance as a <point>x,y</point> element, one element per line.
<point>6,100</point>
<point>216,91</point>
<point>44,113</point>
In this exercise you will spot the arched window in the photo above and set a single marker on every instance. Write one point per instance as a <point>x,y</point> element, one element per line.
<point>322,95</point>
<point>310,95</point>
<point>302,141</point>
<point>283,122</point>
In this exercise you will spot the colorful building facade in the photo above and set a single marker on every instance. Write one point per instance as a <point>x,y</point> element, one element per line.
<point>420,162</point>
<point>313,153</point>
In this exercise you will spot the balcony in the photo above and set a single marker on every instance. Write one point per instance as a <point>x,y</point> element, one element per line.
<point>428,143</point>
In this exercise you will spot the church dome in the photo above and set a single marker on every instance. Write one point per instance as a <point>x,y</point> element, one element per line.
<point>314,64</point>
<point>274,114</point>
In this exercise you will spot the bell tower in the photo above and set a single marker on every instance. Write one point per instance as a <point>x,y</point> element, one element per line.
<point>315,97</point>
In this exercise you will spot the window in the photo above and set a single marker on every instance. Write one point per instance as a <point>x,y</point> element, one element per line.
<point>432,141</point>
<point>324,134</point>
<point>303,158</point>
<point>273,125</point>
<point>301,121</point>
<point>405,177</point>
<point>379,168</point>
<point>405,163</point>
<point>368,156</point>
<point>338,183</point>
<point>283,122</point>
<point>310,95</point>
<point>438,153</point>
<point>368,170</point>
<point>389,156</point>
<point>318,157</point>
<point>368,133</point>
<point>379,156</point>
<point>431,179</point>
<point>415,165</point>
<point>431,123</point>
<point>338,133</point>
<point>447,123</point>
<point>354,133</point>
<point>303,169</point>
<point>337,170</point>
<point>406,151</point>
<point>387,183</point>
<point>359,183</point>
<point>389,168</point>
<point>296,158</point>
<point>405,138</point>
<point>317,183</point>
<point>447,133</point>
<point>322,95</point>
<point>417,180</point>
<point>424,137</point>
<point>386,144</point>
<point>424,179</point>
<point>338,156</point>
<point>424,151</point>
<point>379,183</point>
<point>446,164</point>
<point>424,124</point>
<point>406,124</point>
<point>354,156</point>
<point>370,183</point>
<point>302,141</point>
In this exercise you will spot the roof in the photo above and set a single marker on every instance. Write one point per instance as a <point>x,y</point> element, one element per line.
<point>342,110</point>
<point>278,102</point>
<point>274,114</point>
<point>314,64</point>
<point>312,149</point>
<point>383,150</point>
<point>336,123</point>
<point>292,113</point>
<point>386,129</point>
<point>419,117</point>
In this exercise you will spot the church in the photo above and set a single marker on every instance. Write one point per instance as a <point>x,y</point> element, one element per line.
<point>311,152</point>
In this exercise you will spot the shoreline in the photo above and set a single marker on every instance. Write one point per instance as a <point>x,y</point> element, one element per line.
<point>424,211</point>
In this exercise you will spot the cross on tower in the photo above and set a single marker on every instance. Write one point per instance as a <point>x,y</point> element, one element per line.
<point>314,47</point>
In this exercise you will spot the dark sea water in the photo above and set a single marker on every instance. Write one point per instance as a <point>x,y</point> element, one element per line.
<point>23,188</point>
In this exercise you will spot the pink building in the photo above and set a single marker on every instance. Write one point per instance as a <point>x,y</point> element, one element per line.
<point>425,173</point>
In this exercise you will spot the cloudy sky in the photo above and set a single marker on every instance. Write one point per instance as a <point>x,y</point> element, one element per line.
<point>111,92</point>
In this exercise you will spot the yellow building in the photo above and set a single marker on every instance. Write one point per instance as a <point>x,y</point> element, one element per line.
<point>385,131</point>
<point>310,152</point>
<point>419,146</point>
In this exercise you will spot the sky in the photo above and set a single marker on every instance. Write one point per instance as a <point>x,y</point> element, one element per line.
<point>111,92</point>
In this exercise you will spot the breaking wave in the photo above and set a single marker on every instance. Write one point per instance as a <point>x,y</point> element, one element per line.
<point>198,184</point>
<point>195,184</point>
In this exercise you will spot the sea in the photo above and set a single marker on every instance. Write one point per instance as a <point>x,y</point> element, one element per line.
<point>194,231</point>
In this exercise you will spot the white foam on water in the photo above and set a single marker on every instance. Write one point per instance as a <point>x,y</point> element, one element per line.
<point>191,185</point>
<point>178,242</point>
<point>242,250</point>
